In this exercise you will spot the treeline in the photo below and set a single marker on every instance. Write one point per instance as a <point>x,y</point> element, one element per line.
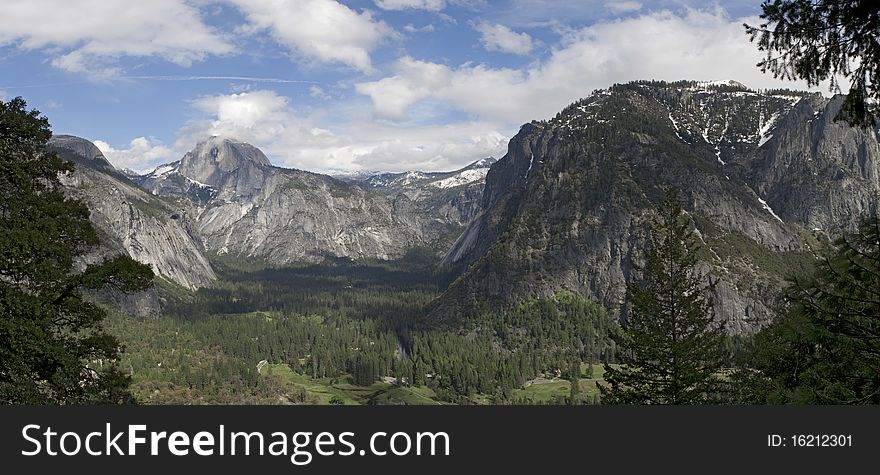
<point>392,294</point>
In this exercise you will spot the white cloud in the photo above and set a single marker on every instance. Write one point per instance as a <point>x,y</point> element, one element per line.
<point>318,91</point>
<point>623,6</point>
<point>435,6</point>
<point>142,154</point>
<point>325,30</point>
<point>267,120</point>
<point>441,147</point>
<point>430,5</point>
<point>244,111</point>
<point>87,36</point>
<point>410,28</point>
<point>502,38</point>
<point>414,81</point>
<point>697,44</point>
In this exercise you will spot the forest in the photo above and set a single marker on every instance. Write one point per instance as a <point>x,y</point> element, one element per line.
<point>354,323</point>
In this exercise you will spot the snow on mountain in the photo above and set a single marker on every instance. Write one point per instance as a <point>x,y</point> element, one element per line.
<point>463,178</point>
<point>162,170</point>
<point>413,179</point>
<point>764,134</point>
<point>723,82</point>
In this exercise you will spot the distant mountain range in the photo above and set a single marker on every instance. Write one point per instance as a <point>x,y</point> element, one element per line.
<point>767,177</point>
<point>224,198</point>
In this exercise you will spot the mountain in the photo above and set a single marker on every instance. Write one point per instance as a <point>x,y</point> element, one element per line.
<point>765,175</point>
<point>129,220</point>
<point>244,207</point>
<point>225,197</point>
<point>437,204</point>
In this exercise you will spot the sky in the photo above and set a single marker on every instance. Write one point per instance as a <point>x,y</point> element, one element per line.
<point>343,85</point>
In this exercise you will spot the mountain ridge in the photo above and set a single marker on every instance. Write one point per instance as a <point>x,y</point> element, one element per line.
<point>228,198</point>
<point>566,207</point>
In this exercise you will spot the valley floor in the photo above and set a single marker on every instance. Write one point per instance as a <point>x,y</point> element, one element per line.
<point>346,333</point>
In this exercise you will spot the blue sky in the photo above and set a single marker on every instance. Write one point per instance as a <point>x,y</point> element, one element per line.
<point>331,85</point>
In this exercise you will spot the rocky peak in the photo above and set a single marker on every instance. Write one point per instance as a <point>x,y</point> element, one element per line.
<point>214,159</point>
<point>132,222</point>
<point>79,150</point>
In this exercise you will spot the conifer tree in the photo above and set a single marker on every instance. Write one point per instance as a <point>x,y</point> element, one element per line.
<point>818,40</point>
<point>52,347</point>
<point>825,347</point>
<point>672,348</point>
<point>575,391</point>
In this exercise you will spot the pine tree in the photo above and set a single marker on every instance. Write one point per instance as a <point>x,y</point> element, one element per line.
<point>574,376</point>
<point>672,349</point>
<point>825,347</point>
<point>817,40</point>
<point>52,346</point>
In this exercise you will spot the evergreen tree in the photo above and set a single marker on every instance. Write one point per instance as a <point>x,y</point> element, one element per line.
<point>816,40</point>
<point>825,348</point>
<point>574,376</point>
<point>52,347</point>
<point>672,349</point>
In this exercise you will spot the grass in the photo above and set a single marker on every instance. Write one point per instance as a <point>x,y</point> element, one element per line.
<point>552,392</point>
<point>407,395</point>
<point>543,393</point>
<point>598,370</point>
<point>322,390</point>
<point>561,388</point>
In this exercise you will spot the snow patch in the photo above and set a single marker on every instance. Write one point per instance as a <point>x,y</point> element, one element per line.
<point>675,126</point>
<point>412,176</point>
<point>722,82</point>
<point>197,183</point>
<point>790,99</point>
<point>163,170</point>
<point>768,208</point>
<point>764,134</point>
<point>463,178</point>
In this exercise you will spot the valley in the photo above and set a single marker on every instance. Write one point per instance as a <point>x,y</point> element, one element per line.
<point>347,333</point>
<point>497,283</point>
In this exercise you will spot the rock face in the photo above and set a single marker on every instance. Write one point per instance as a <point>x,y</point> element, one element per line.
<point>817,172</point>
<point>224,197</point>
<point>129,220</point>
<point>243,206</point>
<point>763,174</point>
<point>438,205</point>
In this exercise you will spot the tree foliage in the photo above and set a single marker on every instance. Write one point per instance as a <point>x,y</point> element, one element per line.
<point>52,347</point>
<point>672,349</point>
<point>353,323</point>
<point>825,347</point>
<point>817,40</point>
